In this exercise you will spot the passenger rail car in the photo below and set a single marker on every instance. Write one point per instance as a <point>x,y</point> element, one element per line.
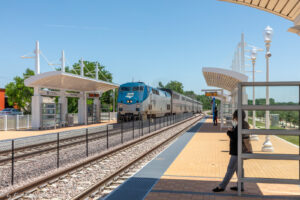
<point>136,99</point>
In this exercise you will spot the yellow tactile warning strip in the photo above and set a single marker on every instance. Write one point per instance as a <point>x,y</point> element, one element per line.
<point>5,135</point>
<point>202,164</point>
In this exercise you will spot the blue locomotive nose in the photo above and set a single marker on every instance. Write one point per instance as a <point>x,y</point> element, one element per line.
<point>131,94</point>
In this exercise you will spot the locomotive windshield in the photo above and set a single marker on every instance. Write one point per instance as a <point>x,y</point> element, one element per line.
<point>125,89</point>
<point>138,88</point>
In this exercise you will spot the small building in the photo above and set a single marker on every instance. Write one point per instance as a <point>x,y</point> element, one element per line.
<point>2,99</point>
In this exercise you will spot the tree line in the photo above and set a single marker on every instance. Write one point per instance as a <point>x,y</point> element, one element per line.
<point>287,116</point>
<point>19,95</point>
<point>178,87</point>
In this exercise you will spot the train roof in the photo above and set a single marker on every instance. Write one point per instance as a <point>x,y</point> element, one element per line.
<point>133,83</point>
<point>173,92</point>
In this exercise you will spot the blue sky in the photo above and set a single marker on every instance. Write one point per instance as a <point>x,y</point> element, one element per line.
<point>150,41</point>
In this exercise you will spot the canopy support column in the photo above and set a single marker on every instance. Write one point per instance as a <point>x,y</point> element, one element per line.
<point>36,103</point>
<point>63,100</point>
<point>82,109</point>
<point>97,104</point>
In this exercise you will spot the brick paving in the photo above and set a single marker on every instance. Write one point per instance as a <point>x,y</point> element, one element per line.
<point>203,162</point>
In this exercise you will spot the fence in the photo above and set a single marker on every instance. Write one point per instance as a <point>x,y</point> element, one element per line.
<point>15,122</point>
<point>19,122</point>
<point>108,116</point>
<point>69,146</point>
<point>285,97</point>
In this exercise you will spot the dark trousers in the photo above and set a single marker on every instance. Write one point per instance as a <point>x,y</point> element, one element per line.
<point>232,167</point>
<point>215,120</point>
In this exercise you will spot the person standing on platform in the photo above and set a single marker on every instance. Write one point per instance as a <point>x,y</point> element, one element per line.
<point>216,116</point>
<point>232,165</point>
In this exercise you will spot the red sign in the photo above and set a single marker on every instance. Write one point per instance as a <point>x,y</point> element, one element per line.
<point>93,95</point>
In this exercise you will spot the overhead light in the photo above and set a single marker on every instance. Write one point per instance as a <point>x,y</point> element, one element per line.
<point>268,33</point>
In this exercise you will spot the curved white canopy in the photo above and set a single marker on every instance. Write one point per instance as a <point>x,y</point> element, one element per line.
<point>223,78</point>
<point>288,9</point>
<point>66,81</point>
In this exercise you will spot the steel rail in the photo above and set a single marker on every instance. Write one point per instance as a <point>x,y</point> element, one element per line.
<point>39,152</point>
<point>62,140</point>
<point>62,172</point>
<point>43,151</point>
<point>45,143</point>
<point>109,178</point>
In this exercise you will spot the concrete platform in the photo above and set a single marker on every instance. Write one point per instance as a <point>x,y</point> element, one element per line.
<point>196,163</point>
<point>5,135</point>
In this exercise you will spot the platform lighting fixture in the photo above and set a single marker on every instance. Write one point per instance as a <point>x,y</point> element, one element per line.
<point>253,57</point>
<point>268,34</point>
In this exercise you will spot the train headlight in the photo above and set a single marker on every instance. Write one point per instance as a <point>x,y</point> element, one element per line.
<point>128,101</point>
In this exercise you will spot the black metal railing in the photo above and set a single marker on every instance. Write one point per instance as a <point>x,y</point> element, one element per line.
<point>59,149</point>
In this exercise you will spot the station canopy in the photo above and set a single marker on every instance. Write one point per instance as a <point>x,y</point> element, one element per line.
<point>66,81</point>
<point>223,78</point>
<point>288,9</point>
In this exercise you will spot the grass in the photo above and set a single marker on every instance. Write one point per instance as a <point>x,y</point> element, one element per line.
<point>258,123</point>
<point>290,138</point>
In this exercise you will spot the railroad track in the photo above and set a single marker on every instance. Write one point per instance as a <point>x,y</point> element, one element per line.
<point>108,184</point>
<point>96,163</point>
<point>28,152</point>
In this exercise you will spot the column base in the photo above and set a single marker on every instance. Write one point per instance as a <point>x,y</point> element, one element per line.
<point>267,147</point>
<point>254,137</point>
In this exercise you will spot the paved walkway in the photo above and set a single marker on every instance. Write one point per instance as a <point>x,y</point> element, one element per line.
<point>4,135</point>
<point>202,164</point>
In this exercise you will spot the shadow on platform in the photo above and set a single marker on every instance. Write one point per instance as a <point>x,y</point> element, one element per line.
<point>202,189</point>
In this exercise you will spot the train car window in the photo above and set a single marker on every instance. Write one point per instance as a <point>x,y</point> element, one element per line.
<point>135,89</point>
<point>168,107</point>
<point>141,88</point>
<point>125,89</point>
<point>175,96</point>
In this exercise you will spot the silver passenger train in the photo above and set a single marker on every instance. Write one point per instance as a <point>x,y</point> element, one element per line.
<point>138,100</point>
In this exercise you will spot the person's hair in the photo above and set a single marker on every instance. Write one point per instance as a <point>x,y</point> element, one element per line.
<point>235,115</point>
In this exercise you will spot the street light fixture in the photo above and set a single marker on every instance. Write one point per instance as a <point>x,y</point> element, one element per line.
<point>268,33</point>
<point>253,59</point>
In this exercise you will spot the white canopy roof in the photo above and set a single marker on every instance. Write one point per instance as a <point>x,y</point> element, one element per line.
<point>66,81</point>
<point>223,78</point>
<point>288,9</point>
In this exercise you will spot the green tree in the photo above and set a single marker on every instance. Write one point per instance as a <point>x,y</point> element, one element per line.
<point>18,94</point>
<point>90,71</point>
<point>206,101</point>
<point>175,86</point>
<point>160,85</point>
<point>190,94</point>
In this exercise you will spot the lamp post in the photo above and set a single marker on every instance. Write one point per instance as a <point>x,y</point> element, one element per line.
<point>253,59</point>
<point>267,146</point>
